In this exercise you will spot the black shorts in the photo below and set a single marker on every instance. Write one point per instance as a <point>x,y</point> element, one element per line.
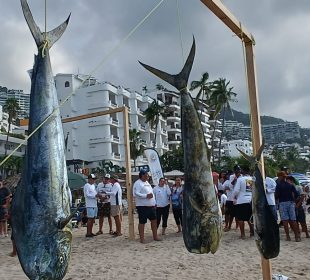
<point>244,211</point>
<point>104,209</point>
<point>146,212</point>
<point>230,208</point>
<point>4,214</point>
<point>300,215</point>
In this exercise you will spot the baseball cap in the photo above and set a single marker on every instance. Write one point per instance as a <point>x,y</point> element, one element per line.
<point>142,172</point>
<point>115,177</point>
<point>92,176</point>
<point>107,176</point>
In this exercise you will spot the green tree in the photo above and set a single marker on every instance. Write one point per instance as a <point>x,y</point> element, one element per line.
<point>221,97</point>
<point>136,146</point>
<point>173,160</point>
<point>152,115</point>
<point>11,107</point>
<point>204,89</point>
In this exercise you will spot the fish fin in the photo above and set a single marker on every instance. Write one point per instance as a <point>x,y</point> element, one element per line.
<point>180,80</point>
<point>56,33</point>
<point>52,36</point>
<point>252,159</point>
<point>195,205</point>
<point>35,30</point>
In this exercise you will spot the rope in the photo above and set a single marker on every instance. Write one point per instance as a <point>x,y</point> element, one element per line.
<point>83,81</point>
<point>180,29</point>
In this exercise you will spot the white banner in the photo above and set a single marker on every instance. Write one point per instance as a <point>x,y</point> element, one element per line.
<point>154,164</point>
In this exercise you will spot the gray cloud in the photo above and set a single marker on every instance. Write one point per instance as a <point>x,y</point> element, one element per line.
<point>280,28</point>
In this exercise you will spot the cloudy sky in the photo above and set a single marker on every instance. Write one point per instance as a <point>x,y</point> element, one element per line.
<point>281,29</point>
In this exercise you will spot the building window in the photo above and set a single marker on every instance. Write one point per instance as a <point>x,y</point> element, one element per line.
<point>67,84</point>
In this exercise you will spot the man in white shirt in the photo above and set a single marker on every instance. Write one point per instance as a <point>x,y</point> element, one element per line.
<point>243,194</point>
<point>116,204</point>
<point>104,204</point>
<point>91,196</point>
<point>270,191</point>
<point>145,204</point>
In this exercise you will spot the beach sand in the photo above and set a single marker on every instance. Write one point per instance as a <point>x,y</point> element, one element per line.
<point>106,257</point>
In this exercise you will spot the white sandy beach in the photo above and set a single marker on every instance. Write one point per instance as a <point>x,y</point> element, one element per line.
<point>105,257</point>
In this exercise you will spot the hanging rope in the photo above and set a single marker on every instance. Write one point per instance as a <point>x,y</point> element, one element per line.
<point>180,29</point>
<point>86,79</point>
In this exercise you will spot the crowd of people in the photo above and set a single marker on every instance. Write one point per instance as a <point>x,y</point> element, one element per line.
<point>284,195</point>
<point>153,204</point>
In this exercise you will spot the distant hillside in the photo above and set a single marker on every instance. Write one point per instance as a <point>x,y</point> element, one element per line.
<point>245,118</point>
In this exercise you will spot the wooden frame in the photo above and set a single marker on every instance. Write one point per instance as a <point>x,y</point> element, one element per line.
<point>123,110</point>
<point>218,8</point>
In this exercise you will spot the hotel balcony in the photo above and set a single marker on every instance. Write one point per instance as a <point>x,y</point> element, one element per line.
<point>175,118</point>
<point>115,155</point>
<point>174,128</point>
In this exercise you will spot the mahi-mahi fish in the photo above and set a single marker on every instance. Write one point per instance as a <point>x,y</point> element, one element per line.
<point>266,229</point>
<point>202,217</point>
<point>41,208</point>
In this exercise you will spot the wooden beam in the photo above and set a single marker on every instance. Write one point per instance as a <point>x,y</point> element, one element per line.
<point>219,9</point>
<point>123,110</point>
<point>128,176</point>
<point>93,115</point>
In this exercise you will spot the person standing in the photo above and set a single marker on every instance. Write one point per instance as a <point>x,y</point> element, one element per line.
<point>162,196</point>
<point>270,191</point>
<point>145,204</point>
<point>286,194</point>
<point>243,195</point>
<point>116,204</point>
<point>5,198</point>
<point>104,204</point>
<point>176,201</point>
<point>91,196</point>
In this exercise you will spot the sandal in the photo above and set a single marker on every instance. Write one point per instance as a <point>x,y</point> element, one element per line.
<point>111,232</point>
<point>99,232</point>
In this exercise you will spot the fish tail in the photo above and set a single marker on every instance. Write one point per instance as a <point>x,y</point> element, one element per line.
<point>42,39</point>
<point>253,159</point>
<point>180,80</point>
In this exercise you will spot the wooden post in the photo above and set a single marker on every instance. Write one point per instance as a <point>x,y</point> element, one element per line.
<point>123,110</point>
<point>128,176</point>
<point>218,8</point>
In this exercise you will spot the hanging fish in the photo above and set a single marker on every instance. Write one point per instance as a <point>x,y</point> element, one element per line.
<point>266,229</point>
<point>202,217</point>
<point>40,208</point>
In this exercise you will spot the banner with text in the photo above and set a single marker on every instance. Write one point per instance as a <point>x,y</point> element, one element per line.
<point>154,164</point>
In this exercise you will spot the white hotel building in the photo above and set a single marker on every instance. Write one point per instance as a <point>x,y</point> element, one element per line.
<point>102,138</point>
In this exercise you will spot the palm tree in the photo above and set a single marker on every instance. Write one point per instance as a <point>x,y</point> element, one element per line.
<point>136,146</point>
<point>204,88</point>
<point>11,107</point>
<point>221,96</point>
<point>152,115</point>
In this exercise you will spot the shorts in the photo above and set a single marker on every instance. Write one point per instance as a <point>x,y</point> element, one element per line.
<point>4,214</point>
<point>104,210</point>
<point>300,215</point>
<point>287,211</point>
<point>230,208</point>
<point>116,210</point>
<point>244,211</point>
<point>146,212</point>
<point>92,212</point>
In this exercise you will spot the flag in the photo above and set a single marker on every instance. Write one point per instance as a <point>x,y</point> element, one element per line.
<point>154,164</point>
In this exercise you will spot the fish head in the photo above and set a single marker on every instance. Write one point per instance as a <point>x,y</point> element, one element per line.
<point>50,258</point>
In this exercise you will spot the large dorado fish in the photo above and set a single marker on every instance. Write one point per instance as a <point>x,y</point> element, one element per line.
<point>202,217</point>
<point>266,229</point>
<point>41,209</point>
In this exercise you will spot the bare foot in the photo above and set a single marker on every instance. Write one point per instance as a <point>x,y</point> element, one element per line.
<point>142,241</point>
<point>288,238</point>
<point>157,239</point>
<point>242,237</point>
<point>12,254</point>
